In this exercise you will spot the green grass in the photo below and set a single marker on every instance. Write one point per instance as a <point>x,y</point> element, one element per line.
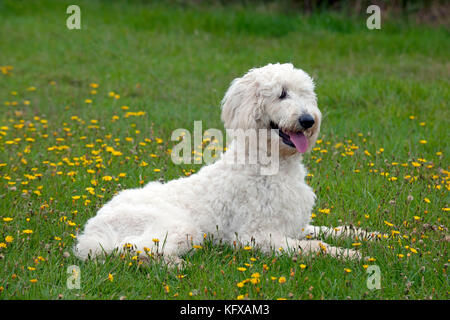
<point>175,64</point>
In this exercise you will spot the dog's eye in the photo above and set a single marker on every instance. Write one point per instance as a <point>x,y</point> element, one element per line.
<point>283,94</point>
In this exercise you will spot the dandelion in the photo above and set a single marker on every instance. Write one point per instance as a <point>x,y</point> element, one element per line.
<point>110,277</point>
<point>347,270</point>
<point>7,219</point>
<point>34,280</point>
<point>27,231</point>
<point>426,200</point>
<point>423,141</point>
<point>88,101</point>
<point>197,247</point>
<point>282,280</point>
<point>9,239</point>
<point>240,297</point>
<point>388,223</point>
<point>242,269</point>
<point>302,266</point>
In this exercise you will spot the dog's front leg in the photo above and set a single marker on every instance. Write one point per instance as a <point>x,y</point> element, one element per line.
<point>314,232</point>
<point>317,246</point>
<point>289,245</point>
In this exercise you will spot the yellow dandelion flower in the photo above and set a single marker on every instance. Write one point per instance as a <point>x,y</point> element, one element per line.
<point>282,280</point>
<point>388,223</point>
<point>9,239</point>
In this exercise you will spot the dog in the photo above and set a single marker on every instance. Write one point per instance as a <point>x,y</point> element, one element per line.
<point>234,200</point>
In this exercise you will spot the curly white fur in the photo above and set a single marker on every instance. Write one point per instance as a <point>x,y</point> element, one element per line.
<point>234,200</point>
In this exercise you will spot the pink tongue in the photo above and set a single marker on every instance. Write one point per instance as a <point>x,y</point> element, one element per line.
<point>299,140</point>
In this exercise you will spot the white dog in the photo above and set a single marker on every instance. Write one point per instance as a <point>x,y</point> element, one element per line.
<point>273,211</point>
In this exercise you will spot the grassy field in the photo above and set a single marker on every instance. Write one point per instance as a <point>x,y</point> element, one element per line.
<point>86,113</point>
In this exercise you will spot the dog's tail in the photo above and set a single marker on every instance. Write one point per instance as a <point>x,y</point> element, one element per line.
<point>95,241</point>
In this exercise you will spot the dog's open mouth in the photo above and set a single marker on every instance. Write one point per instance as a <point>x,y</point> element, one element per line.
<point>295,140</point>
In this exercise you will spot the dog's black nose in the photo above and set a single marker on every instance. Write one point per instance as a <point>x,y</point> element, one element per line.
<point>306,121</point>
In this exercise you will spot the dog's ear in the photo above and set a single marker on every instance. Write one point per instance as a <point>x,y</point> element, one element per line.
<point>241,107</point>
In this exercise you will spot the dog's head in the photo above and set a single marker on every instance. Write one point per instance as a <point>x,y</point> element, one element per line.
<point>277,96</point>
